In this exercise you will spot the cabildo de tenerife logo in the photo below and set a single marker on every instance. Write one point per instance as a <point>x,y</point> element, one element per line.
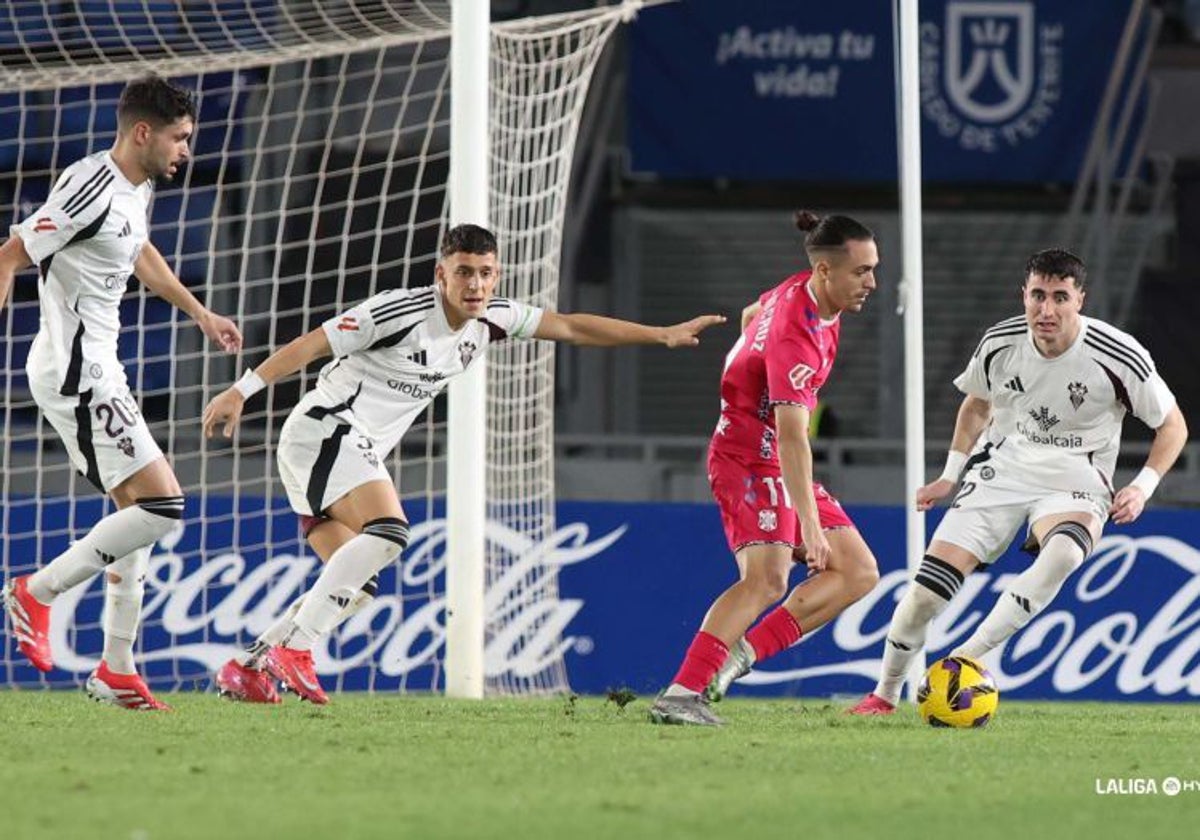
<point>991,74</point>
<point>197,613</point>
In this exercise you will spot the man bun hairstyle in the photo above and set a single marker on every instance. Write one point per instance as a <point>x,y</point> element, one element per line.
<point>1058,263</point>
<point>826,232</point>
<point>154,100</point>
<point>468,239</point>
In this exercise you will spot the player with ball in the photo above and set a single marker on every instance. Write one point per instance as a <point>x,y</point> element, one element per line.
<point>1035,445</point>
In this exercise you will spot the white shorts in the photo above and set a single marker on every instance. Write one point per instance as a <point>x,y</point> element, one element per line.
<point>992,504</point>
<point>102,428</point>
<point>322,457</point>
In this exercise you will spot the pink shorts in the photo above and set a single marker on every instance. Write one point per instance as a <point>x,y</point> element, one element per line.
<point>755,508</point>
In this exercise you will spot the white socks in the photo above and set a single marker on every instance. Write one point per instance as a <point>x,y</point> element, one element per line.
<point>124,588</point>
<point>935,583</point>
<point>113,537</point>
<point>1065,548</point>
<point>252,656</point>
<point>351,566</point>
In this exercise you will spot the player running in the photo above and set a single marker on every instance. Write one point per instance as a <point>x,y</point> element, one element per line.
<point>88,238</point>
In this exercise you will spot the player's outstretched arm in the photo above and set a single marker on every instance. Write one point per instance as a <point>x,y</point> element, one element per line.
<point>157,276</point>
<point>226,407</point>
<point>13,258</point>
<point>599,331</point>
<point>974,414</point>
<point>1169,440</point>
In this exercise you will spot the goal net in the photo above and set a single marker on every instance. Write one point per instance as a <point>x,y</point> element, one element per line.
<point>318,177</point>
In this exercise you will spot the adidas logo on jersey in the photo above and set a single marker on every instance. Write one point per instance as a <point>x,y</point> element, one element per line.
<point>125,231</point>
<point>1014,384</point>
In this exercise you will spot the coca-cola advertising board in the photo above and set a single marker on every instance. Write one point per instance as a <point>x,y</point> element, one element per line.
<point>633,582</point>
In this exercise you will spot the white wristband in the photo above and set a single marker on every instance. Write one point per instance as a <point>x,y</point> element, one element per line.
<point>250,384</point>
<point>954,465</point>
<point>1146,481</point>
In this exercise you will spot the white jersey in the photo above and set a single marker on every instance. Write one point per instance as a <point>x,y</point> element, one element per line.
<point>85,239</point>
<point>396,351</point>
<point>1057,419</point>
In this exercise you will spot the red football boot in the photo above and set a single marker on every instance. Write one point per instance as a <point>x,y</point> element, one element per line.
<point>128,691</point>
<point>872,704</point>
<point>294,668</point>
<point>30,623</point>
<point>246,685</point>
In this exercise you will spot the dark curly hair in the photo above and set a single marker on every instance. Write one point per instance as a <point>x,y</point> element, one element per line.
<point>154,100</point>
<point>469,239</point>
<point>1058,263</point>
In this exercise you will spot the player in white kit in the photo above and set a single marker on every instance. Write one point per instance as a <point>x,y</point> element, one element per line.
<point>87,240</point>
<point>392,355</point>
<point>1035,443</point>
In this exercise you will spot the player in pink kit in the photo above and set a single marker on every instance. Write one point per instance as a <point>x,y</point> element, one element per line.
<point>760,462</point>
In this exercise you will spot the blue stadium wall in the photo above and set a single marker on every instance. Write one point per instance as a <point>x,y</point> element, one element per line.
<point>634,581</point>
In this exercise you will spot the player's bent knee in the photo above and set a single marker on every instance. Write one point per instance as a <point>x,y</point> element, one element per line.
<point>934,585</point>
<point>390,538</point>
<point>1068,539</point>
<point>767,588</point>
<point>919,604</point>
<point>162,514</point>
<point>863,582</point>
<point>862,575</point>
<point>937,578</point>
<point>1064,549</point>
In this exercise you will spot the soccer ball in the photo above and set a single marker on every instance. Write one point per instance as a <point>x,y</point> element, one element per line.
<point>957,692</point>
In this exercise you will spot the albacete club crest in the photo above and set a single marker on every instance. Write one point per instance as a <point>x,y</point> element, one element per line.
<point>466,352</point>
<point>126,446</point>
<point>1078,391</point>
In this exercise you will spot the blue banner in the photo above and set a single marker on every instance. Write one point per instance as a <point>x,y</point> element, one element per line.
<point>1125,627</point>
<point>762,89</point>
<point>634,581</point>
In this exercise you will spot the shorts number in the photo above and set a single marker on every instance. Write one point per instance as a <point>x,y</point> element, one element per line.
<point>776,488</point>
<point>123,409</point>
<point>968,487</point>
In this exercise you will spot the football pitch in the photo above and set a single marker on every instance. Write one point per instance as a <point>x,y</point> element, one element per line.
<point>426,767</point>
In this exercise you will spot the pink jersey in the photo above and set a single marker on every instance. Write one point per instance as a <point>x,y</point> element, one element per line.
<point>782,358</point>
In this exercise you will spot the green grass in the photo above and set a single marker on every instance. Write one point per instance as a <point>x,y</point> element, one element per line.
<point>426,767</point>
